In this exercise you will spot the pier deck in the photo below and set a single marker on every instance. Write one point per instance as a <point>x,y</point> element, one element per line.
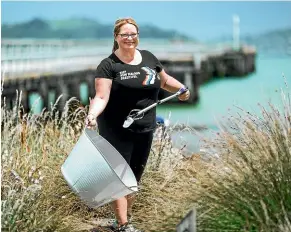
<point>43,66</point>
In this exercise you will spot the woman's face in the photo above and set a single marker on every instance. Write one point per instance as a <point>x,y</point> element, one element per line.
<point>127,37</point>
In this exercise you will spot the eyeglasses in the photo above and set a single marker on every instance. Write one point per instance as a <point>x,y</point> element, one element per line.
<point>124,36</point>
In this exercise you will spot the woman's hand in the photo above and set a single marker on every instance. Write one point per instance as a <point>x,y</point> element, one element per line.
<point>90,121</point>
<point>184,96</point>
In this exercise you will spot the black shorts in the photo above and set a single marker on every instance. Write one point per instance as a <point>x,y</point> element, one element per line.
<point>134,147</point>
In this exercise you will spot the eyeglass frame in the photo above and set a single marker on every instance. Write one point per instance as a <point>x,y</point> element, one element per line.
<point>126,36</point>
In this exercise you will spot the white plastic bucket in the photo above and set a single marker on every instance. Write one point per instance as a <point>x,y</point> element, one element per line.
<point>97,172</point>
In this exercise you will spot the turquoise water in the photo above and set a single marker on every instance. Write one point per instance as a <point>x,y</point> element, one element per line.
<point>218,96</point>
<point>222,97</point>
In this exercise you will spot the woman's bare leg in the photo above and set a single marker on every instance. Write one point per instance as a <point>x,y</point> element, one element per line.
<point>120,210</point>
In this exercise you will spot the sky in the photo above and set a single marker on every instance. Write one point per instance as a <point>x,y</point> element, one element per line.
<point>201,20</point>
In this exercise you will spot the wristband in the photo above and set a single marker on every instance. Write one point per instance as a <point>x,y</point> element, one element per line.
<point>183,89</point>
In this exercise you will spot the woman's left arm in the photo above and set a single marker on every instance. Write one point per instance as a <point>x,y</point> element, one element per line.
<point>172,85</point>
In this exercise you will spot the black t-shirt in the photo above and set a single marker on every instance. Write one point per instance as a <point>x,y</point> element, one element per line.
<point>133,87</point>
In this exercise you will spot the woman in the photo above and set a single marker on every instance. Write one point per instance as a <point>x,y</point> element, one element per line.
<point>128,79</point>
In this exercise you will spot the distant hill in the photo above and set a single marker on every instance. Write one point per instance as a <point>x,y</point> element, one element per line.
<point>277,42</point>
<point>273,42</point>
<point>79,28</point>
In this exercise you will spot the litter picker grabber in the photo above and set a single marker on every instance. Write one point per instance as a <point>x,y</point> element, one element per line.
<point>136,114</point>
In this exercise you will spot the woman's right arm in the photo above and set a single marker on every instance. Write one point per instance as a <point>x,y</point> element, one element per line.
<point>99,102</point>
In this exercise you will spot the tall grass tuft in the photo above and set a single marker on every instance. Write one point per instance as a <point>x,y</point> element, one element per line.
<point>33,147</point>
<point>249,186</point>
<point>242,181</point>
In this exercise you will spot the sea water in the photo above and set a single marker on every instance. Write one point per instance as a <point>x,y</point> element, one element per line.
<point>227,96</point>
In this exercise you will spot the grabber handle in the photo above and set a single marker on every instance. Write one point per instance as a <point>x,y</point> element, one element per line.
<point>183,90</point>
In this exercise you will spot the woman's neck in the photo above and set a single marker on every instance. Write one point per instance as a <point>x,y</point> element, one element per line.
<point>127,54</point>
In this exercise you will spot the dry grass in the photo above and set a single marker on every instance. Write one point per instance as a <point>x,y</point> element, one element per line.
<point>246,189</point>
<point>250,188</point>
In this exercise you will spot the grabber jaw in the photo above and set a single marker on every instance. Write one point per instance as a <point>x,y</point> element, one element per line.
<point>128,122</point>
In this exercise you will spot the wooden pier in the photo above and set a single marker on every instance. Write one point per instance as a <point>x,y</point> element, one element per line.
<point>65,72</point>
<point>197,69</point>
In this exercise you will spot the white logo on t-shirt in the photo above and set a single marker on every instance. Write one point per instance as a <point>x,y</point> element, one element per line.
<point>128,75</point>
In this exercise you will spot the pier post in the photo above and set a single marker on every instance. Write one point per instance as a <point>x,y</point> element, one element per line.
<point>62,89</point>
<point>74,89</point>
<point>90,80</point>
<point>44,93</point>
<point>24,95</point>
<point>9,100</point>
<point>25,100</point>
<point>192,84</point>
<point>188,81</point>
<point>196,76</point>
